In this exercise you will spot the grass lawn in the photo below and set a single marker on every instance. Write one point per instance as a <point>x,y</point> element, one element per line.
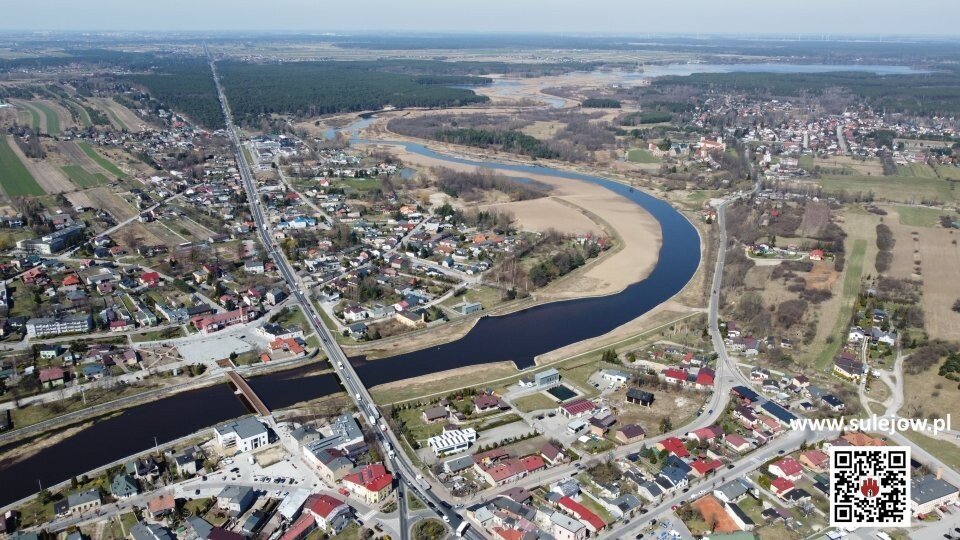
<point>38,413</point>
<point>14,176</point>
<point>641,155</point>
<point>917,216</point>
<point>101,161</point>
<point>701,195</point>
<point>34,117</point>
<point>361,184</point>
<point>83,177</point>
<point>414,502</point>
<point>416,427</point>
<point>157,335</point>
<point>130,519</point>
<point>949,172</point>
<point>53,121</point>
<point>291,316</point>
<point>851,288</point>
<point>805,162</point>
<point>535,402</point>
<point>893,188</point>
<point>918,170</point>
<point>488,296</point>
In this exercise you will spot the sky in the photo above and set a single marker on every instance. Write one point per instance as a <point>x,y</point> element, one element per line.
<point>620,17</point>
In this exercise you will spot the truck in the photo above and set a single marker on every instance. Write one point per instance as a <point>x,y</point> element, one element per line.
<point>462,528</point>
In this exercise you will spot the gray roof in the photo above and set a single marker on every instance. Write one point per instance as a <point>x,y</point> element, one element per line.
<point>123,485</point>
<point>76,499</point>
<point>929,488</point>
<point>200,526</point>
<point>566,522</point>
<point>235,493</point>
<point>142,531</point>
<point>245,428</point>
<point>459,464</point>
<point>734,488</point>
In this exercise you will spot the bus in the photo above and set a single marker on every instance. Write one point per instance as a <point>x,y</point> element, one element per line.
<point>462,528</point>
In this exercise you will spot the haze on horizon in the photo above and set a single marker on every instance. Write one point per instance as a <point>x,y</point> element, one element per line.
<point>620,17</point>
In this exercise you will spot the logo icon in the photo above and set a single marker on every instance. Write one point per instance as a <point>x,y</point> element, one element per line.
<point>870,488</point>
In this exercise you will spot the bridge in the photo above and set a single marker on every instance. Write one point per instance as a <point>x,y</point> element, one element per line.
<point>247,395</point>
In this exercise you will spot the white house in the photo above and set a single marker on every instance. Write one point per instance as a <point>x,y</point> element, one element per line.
<point>242,435</point>
<point>453,441</point>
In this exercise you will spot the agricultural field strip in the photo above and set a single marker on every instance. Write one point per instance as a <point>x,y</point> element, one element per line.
<point>14,176</point>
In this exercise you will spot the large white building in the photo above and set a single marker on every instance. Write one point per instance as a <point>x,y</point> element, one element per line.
<point>449,442</point>
<point>242,435</point>
<point>50,326</point>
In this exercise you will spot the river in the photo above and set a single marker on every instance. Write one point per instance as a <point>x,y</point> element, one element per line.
<point>518,336</point>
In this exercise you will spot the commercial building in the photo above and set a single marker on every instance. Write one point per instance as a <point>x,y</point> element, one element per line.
<point>449,442</point>
<point>929,492</point>
<point>54,242</point>
<point>242,435</point>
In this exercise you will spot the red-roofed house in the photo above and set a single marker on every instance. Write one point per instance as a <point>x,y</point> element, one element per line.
<point>505,471</point>
<point>737,443</point>
<point>508,534</point>
<point>373,483</point>
<point>584,514</point>
<point>706,434</point>
<point>705,378</point>
<point>52,376</point>
<point>551,454</point>
<point>300,528</point>
<point>329,513</point>
<point>150,279</point>
<point>788,468</point>
<point>816,254</point>
<point>533,463</point>
<point>781,486</point>
<point>576,408</point>
<point>70,283</point>
<point>815,460</point>
<point>674,446</point>
<point>702,467</point>
<point>485,402</point>
<point>675,376</point>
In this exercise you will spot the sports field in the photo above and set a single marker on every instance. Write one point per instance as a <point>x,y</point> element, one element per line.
<point>14,176</point>
<point>82,177</point>
<point>101,161</point>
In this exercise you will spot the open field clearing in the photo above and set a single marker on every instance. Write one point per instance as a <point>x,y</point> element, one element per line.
<point>103,162</point>
<point>73,154</point>
<point>640,155</point>
<point>543,130</point>
<point>918,216</point>
<point>82,177</point>
<point>119,115</point>
<point>852,274</point>
<point>35,116</point>
<point>135,234</point>
<point>103,198</point>
<point>892,188</point>
<point>81,113</point>
<point>16,180</point>
<point>939,258</point>
<point>547,213</point>
<point>44,171</point>
<point>54,116</point>
<point>847,164</point>
<point>949,173</point>
<point>916,170</point>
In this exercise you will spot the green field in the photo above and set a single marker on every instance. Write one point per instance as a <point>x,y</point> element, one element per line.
<point>851,288</point>
<point>918,216</point>
<point>916,170</point>
<point>82,177</point>
<point>640,155</point>
<point>14,176</point>
<point>53,121</point>
<point>948,172</point>
<point>892,188</point>
<point>361,184</point>
<point>101,161</point>
<point>34,117</point>
<point>82,114</point>
<point>805,162</point>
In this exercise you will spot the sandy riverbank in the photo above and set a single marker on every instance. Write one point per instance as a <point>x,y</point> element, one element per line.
<point>638,232</point>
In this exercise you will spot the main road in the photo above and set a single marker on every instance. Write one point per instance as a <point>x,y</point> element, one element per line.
<point>403,467</point>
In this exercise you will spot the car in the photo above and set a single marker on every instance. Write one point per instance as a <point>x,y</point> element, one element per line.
<point>710,411</point>
<point>197,492</point>
<point>701,493</point>
<point>674,507</point>
<point>446,519</point>
<point>779,451</point>
<point>639,536</point>
<point>730,466</point>
<point>686,489</point>
<point>203,478</point>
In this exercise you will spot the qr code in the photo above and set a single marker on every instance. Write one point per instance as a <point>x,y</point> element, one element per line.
<point>870,486</point>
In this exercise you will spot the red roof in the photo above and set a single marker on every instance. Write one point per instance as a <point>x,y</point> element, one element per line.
<point>578,406</point>
<point>735,440</point>
<point>533,463</point>
<point>72,279</point>
<point>372,477</point>
<point>582,513</point>
<point>781,485</point>
<point>508,534</point>
<point>816,457</point>
<point>674,373</point>
<point>150,277</point>
<point>299,527</point>
<point>674,446</point>
<point>51,374</point>
<point>789,466</point>
<point>705,378</point>
<point>704,466</point>
<point>322,505</point>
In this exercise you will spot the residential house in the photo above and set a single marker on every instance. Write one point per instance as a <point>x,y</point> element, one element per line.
<point>788,468</point>
<point>236,500</point>
<point>629,434</point>
<point>372,483</point>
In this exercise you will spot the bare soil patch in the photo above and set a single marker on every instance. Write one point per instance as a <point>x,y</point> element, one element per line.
<point>548,213</point>
<point>75,155</point>
<point>822,276</point>
<point>102,197</point>
<point>816,216</point>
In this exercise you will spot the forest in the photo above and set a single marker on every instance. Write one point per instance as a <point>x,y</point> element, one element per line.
<point>507,141</point>
<point>921,93</point>
<point>186,87</point>
<point>470,186</point>
<point>600,103</point>
<point>314,88</point>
